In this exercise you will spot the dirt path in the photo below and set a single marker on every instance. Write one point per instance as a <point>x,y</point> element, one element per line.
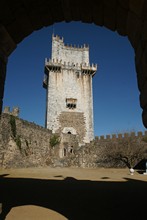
<point>69,193</point>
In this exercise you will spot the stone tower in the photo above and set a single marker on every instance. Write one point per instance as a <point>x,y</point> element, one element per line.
<point>68,81</point>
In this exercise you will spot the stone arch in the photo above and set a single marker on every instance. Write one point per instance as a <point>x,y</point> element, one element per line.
<point>127,17</point>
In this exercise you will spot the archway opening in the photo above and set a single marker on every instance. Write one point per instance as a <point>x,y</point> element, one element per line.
<point>115,92</point>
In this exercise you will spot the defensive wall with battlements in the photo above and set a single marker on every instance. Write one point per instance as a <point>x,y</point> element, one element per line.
<point>121,136</point>
<point>31,145</point>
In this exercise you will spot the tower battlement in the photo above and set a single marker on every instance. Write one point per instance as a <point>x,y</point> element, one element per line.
<point>15,111</point>
<point>69,53</point>
<point>69,46</point>
<point>86,67</point>
<point>57,38</point>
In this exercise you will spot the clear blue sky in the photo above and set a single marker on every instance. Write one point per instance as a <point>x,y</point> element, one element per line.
<point>115,92</point>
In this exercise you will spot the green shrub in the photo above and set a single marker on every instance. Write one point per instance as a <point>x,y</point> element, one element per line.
<point>54,140</point>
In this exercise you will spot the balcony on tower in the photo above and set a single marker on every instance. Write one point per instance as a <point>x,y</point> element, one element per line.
<point>52,65</point>
<point>87,69</point>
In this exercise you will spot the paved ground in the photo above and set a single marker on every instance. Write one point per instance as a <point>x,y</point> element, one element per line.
<point>75,194</point>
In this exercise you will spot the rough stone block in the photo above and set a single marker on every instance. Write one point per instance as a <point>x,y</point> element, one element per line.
<point>126,135</point>
<point>98,12</point>
<point>110,18</point>
<point>7,44</point>
<point>108,137</point>
<point>121,21</point>
<point>102,137</point>
<point>133,29</point>
<point>110,3</point>
<point>136,6</point>
<point>139,134</point>
<point>119,136</point>
<point>132,134</point>
<point>124,3</point>
<point>143,96</point>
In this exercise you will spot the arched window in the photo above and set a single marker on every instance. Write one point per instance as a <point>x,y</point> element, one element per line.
<point>71,149</point>
<point>64,152</point>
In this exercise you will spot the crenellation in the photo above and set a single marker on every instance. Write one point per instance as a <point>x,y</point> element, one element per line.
<point>114,136</point>
<point>14,112</point>
<point>121,136</point>
<point>7,110</point>
<point>57,38</point>
<point>126,135</point>
<point>102,137</point>
<point>108,137</point>
<point>132,134</point>
<point>139,133</point>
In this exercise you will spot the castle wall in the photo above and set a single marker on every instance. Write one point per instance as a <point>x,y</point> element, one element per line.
<point>33,147</point>
<point>111,137</point>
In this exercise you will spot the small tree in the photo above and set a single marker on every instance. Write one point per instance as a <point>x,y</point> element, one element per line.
<point>54,140</point>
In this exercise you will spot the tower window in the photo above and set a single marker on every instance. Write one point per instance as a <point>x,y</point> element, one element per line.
<point>71,103</point>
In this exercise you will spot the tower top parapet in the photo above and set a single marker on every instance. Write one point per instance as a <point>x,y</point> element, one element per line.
<point>68,52</point>
<point>57,38</point>
<point>61,40</point>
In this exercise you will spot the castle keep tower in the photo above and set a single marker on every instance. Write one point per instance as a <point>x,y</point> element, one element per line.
<point>68,81</point>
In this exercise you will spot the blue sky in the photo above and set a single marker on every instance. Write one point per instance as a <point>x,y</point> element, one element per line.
<point>115,91</point>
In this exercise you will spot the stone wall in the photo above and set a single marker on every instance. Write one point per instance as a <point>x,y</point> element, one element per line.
<point>29,147</point>
<point>96,153</point>
<point>75,120</point>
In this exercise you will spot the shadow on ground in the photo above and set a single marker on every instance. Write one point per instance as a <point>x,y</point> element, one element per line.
<point>77,199</point>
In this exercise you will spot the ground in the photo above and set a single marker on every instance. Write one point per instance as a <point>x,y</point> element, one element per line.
<point>72,193</point>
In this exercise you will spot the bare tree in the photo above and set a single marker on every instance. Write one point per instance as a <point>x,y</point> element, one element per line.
<point>127,151</point>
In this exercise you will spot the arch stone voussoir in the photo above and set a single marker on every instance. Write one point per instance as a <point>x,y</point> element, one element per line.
<point>137,6</point>
<point>141,65</point>
<point>110,18</point>
<point>121,23</point>
<point>144,116</point>
<point>143,98</point>
<point>134,25</point>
